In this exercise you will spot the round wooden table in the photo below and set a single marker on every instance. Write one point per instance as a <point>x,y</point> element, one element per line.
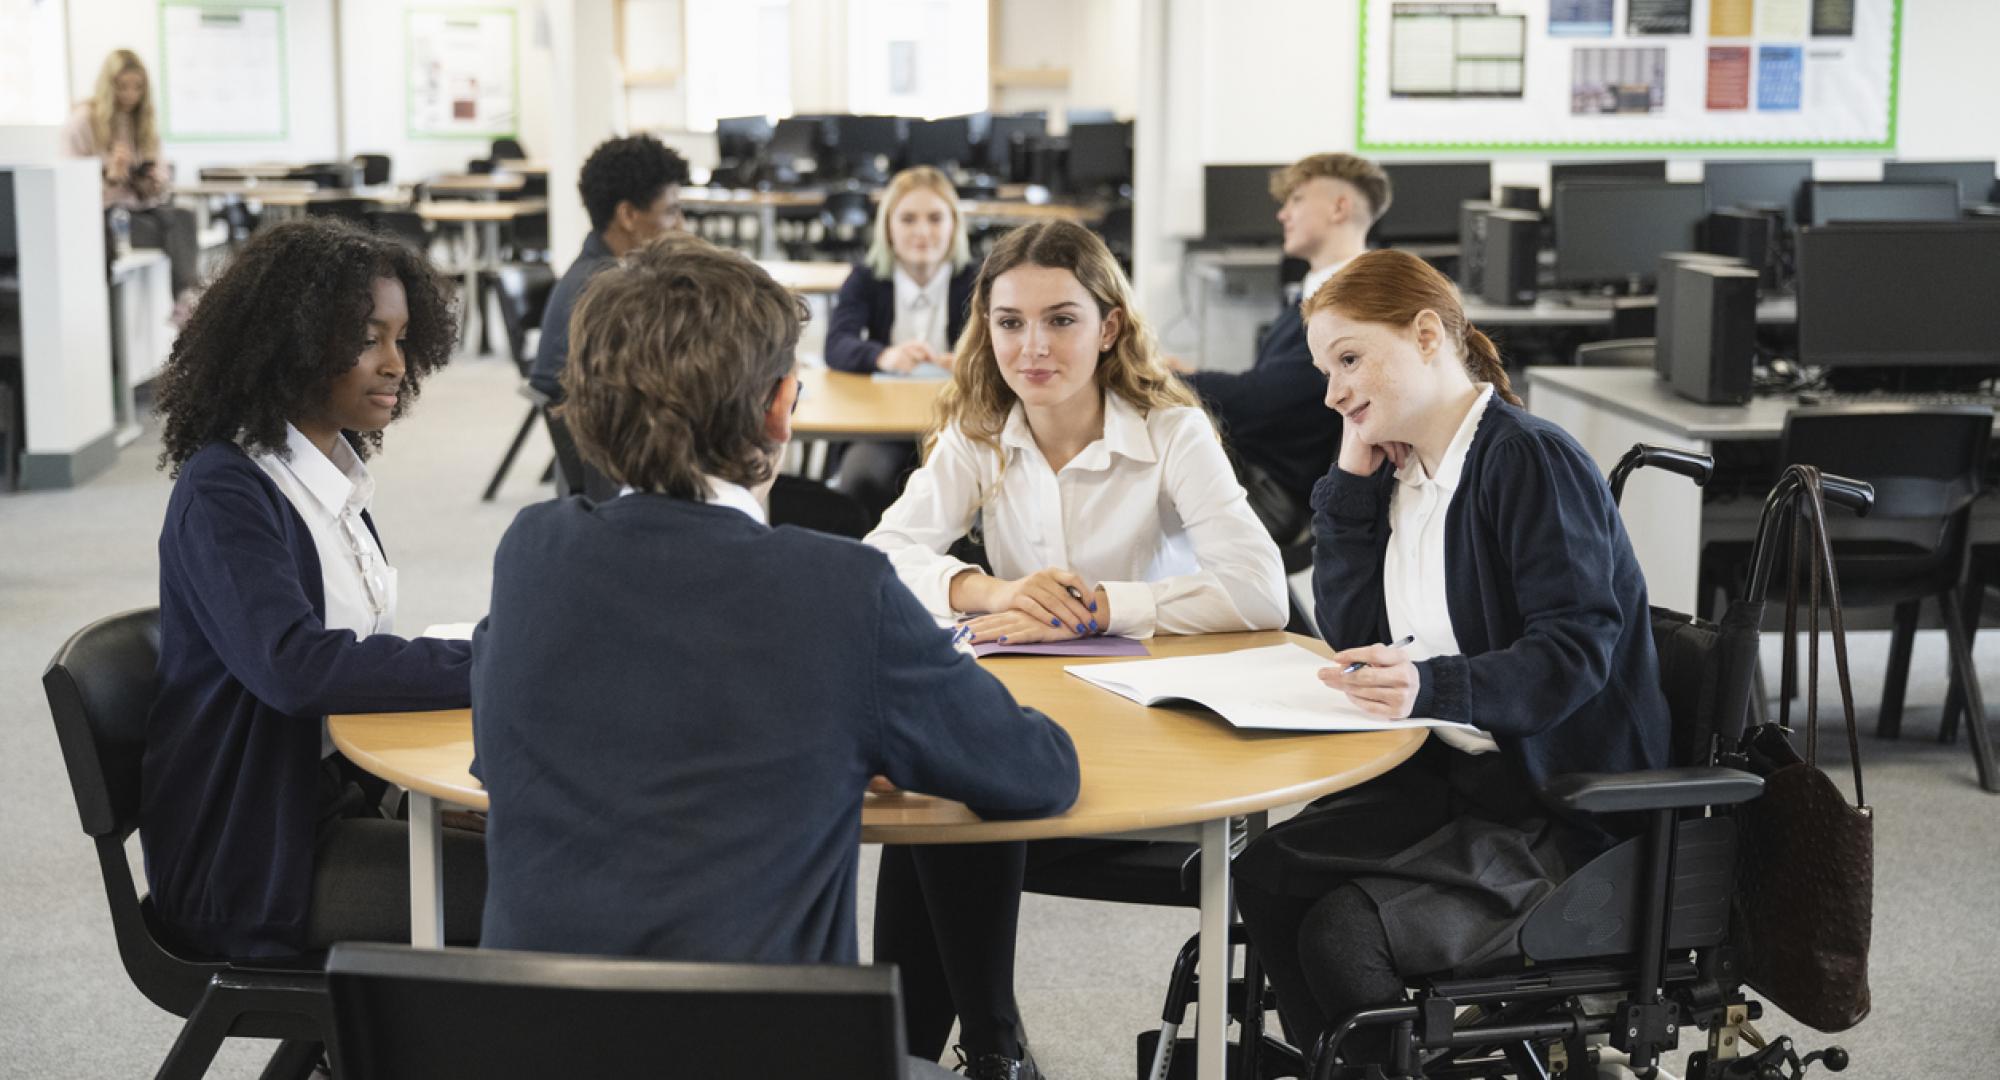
<point>845,405</point>
<point>1179,773</point>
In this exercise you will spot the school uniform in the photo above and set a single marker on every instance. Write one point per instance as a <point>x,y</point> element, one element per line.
<point>277,606</point>
<point>871,314</point>
<point>552,350</point>
<point>1511,569</point>
<point>677,709</point>
<point>1152,512</point>
<point>1274,415</point>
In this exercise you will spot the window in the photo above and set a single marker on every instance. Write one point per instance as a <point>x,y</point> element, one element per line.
<point>739,60</point>
<point>916,57</point>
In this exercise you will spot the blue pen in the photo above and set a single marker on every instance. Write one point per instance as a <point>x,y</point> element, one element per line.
<point>1408,640</point>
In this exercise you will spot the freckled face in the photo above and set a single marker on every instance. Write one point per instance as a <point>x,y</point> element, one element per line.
<point>1047,334</point>
<point>1368,367</point>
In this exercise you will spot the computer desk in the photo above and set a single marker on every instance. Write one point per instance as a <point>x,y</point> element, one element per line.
<point>766,204</point>
<point>1152,773</point>
<point>1776,311</point>
<point>1607,410</point>
<point>855,407</point>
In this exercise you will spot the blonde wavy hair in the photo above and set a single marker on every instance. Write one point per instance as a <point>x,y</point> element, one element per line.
<point>881,258</point>
<point>978,399</point>
<point>104,105</point>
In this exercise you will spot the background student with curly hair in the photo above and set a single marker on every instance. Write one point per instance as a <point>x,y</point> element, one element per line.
<point>631,189</point>
<point>1107,506</point>
<point>278,603</point>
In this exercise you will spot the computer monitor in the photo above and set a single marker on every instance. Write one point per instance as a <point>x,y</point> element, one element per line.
<point>1974,178</point>
<point>1565,172</point>
<point>1100,156</point>
<point>1615,232</point>
<point>1915,200</point>
<point>738,138</point>
<point>1424,197</point>
<point>861,141</point>
<point>943,143</point>
<point>1900,294</point>
<point>1756,185</point>
<point>1237,207</point>
<point>795,137</point>
<point>1001,132</point>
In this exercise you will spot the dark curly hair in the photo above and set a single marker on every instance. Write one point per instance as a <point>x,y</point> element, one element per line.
<point>283,320</point>
<point>633,169</point>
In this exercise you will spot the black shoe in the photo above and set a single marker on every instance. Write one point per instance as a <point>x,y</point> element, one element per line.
<point>997,1066</point>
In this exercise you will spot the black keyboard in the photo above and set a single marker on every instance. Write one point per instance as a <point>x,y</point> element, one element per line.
<point>1988,398</point>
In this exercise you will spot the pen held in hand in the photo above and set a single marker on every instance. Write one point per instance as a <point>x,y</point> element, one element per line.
<point>1406,642</point>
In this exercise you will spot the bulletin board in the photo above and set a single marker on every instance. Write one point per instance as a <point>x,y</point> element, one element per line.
<point>1627,75</point>
<point>222,72</point>
<point>463,67</point>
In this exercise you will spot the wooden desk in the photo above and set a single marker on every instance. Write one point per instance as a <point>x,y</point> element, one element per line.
<point>243,189</point>
<point>844,405</point>
<point>489,185</point>
<point>1165,773</point>
<point>810,278</point>
<point>272,170</point>
<point>1009,212</point>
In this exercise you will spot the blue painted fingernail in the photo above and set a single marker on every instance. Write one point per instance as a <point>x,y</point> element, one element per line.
<point>1093,605</point>
<point>1093,626</point>
<point>1003,639</point>
<point>1055,622</point>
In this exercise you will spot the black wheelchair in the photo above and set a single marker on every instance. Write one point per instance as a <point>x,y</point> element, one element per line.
<point>1632,950</point>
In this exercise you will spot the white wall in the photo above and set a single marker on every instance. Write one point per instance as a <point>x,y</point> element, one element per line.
<point>373,34</point>
<point>1097,40</point>
<point>98,26</point>
<point>34,62</point>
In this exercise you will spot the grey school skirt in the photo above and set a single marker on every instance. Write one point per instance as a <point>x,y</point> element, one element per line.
<point>1453,848</point>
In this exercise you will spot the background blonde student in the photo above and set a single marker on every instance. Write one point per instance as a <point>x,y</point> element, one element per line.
<point>118,126</point>
<point>1084,465</point>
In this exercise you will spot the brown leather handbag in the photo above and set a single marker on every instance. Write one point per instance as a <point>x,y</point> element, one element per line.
<point>1805,857</point>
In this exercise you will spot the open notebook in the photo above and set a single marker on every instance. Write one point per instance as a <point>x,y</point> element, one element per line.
<point>1275,688</point>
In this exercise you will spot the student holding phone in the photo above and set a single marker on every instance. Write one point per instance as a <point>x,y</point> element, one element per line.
<point>117,126</point>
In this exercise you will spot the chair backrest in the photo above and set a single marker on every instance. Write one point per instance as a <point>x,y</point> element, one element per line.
<point>574,476</point>
<point>405,225</point>
<point>444,1013</point>
<point>1925,461</point>
<point>524,292</point>
<point>1618,352</point>
<point>507,150</point>
<point>100,688</point>
<point>345,209</point>
<point>531,235</point>
<point>374,168</point>
<point>812,505</point>
<point>847,209</point>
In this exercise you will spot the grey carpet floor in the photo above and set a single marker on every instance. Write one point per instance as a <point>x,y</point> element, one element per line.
<point>1091,975</point>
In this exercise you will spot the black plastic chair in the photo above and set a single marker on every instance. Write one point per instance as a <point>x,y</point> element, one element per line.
<point>524,291</point>
<point>843,220</point>
<point>373,168</point>
<point>1982,573</point>
<point>355,210</point>
<point>1927,464</point>
<point>100,688</point>
<point>528,235</point>
<point>505,149</point>
<point>405,225</point>
<point>1619,352</point>
<point>444,1014</point>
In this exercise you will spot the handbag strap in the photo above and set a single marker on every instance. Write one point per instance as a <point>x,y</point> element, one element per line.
<point>1824,567</point>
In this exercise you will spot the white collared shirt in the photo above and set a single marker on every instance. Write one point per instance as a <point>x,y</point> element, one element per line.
<point>1413,570</point>
<point>723,493</point>
<point>1315,278</point>
<point>330,494</point>
<point>1151,511</point>
<point>921,313</point>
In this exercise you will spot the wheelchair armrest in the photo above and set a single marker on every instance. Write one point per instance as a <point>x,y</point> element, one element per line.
<point>534,395</point>
<point>1653,789</point>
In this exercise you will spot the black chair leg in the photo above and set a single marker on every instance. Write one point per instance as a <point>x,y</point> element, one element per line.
<point>1954,700</point>
<point>507,462</point>
<point>295,1059</point>
<point>1968,678</point>
<point>194,1048</point>
<point>1895,682</point>
<point>549,473</point>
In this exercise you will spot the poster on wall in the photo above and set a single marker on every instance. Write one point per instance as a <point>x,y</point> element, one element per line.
<point>1451,76</point>
<point>222,72</point>
<point>462,73</point>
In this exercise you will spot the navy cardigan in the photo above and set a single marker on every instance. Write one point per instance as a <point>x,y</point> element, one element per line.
<point>230,784</point>
<point>1274,416</point>
<point>865,314</point>
<point>552,349</point>
<point>1546,599</point>
<point>676,709</point>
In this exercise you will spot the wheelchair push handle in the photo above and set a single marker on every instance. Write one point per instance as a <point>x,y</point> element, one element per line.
<point>1695,466</point>
<point>1855,495</point>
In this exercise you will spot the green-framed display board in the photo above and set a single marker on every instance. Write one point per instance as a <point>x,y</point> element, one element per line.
<point>1653,76</point>
<point>463,72</point>
<point>222,71</point>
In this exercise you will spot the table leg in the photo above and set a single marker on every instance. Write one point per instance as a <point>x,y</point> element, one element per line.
<point>489,260</point>
<point>767,232</point>
<point>1211,1022</point>
<point>471,282</point>
<point>426,872</point>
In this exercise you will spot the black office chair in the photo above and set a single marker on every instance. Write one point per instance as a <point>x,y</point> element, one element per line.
<point>337,175</point>
<point>476,1014</point>
<point>843,223</point>
<point>507,150</point>
<point>1927,464</point>
<point>100,688</point>
<point>523,292</point>
<point>1982,573</point>
<point>354,210</point>
<point>1623,352</point>
<point>1648,922</point>
<point>1116,229</point>
<point>405,225</point>
<point>373,168</point>
<point>528,236</point>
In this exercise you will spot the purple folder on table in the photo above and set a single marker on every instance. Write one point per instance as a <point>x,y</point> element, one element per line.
<point>1087,646</point>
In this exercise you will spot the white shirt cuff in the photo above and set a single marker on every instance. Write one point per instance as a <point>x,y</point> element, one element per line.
<point>1133,613</point>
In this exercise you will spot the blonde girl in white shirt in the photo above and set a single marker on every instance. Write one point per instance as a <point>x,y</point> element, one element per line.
<point>1106,506</point>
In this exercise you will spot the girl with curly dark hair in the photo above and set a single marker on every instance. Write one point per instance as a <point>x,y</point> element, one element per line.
<point>277,603</point>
